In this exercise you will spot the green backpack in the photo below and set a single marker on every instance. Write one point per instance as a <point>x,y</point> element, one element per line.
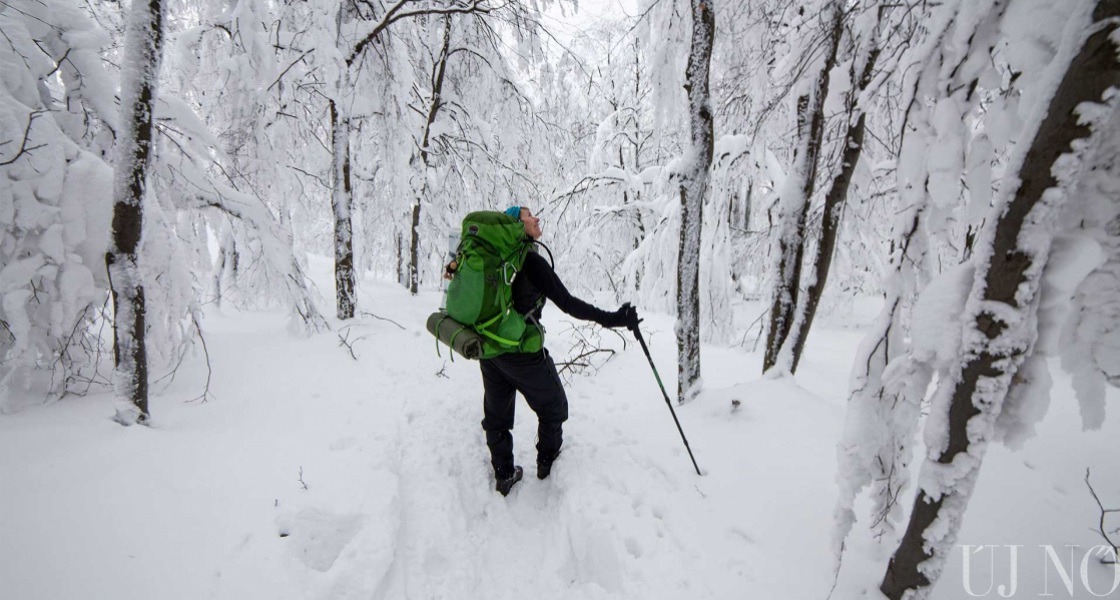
<point>492,250</point>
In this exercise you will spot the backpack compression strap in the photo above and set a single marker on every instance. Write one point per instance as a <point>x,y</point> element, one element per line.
<point>506,303</point>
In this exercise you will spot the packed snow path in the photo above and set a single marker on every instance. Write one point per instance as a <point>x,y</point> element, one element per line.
<point>312,475</point>
<point>622,515</point>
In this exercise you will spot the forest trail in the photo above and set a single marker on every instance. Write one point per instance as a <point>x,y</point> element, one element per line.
<point>612,521</point>
<point>313,475</point>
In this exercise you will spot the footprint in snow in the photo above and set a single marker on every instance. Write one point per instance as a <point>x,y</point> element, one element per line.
<point>633,547</point>
<point>317,538</point>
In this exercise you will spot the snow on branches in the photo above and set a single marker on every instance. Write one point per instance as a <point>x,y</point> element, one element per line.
<point>55,195</point>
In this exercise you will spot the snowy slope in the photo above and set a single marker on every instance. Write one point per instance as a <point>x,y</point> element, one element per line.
<point>313,475</point>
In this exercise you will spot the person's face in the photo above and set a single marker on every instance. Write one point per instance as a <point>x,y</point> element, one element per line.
<point>532,224</point>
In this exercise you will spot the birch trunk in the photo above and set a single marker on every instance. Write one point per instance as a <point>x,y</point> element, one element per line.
<point>341,201</point>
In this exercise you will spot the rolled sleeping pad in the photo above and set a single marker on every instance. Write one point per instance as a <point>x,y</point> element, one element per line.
<point>459,337</point>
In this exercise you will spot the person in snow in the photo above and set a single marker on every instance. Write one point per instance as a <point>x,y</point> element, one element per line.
<point>534,373</point>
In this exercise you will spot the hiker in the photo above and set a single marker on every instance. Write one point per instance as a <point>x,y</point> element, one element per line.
<point>533,373</point>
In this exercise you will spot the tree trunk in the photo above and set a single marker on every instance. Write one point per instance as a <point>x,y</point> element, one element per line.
<point>795,211</point>
<point>1002,315</point>
<point>225,243</point>
<point>341,199</point>
<point>636,145</point>
<point>434,105</point>
<point>880,430</point>
<point>143,43</point>
<point>745,224</point>
<point>414,250</point>
<point>830,221</point>
<point>693,189</point>
<point>401,275</point>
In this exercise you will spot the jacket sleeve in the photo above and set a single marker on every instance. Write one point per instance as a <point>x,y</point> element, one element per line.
<point>540,273</point>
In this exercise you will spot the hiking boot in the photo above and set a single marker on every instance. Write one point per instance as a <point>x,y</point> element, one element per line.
<point>544,464</point>
<point>505,484</point>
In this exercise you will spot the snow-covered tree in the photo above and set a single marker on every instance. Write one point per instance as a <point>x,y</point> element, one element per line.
<point>890,375</point>
<point>861,69</point>
<point>694,176</point>
<point>797,191</point>
<point>607,183</point>
<point>420,161</point>
<point>139,90</point>
<point>230,161</point>
<point>57,124</point>
<point>1001,315</point>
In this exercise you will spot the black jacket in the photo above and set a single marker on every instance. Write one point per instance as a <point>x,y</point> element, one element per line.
<point>537,279</point>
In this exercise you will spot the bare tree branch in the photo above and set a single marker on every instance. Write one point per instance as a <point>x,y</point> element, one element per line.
<point>23,148</point>
<point>396,13</point>
<point>288,68</point>
<point>345,341</point>
<point>1104,513</point>
<point>369,314</point>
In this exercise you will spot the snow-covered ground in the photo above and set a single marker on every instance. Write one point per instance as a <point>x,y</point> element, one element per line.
<point>310,474</point>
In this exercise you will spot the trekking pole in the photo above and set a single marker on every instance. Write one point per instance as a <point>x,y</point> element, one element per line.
<point>669,403</point>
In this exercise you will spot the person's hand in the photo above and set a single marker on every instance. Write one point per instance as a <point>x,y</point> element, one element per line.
<point>628,317</point>
<point>449,270</point>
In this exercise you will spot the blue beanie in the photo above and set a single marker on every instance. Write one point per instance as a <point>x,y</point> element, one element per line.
<point>514,211</point>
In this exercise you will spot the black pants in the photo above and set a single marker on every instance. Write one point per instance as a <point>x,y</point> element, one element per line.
<point>534,375</point>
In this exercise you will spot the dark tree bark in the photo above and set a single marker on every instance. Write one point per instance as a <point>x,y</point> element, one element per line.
<point>791,243</point>
<point>693,190</point>
<point>227,264</point>
<point>833,208</point>
<point>423,158</point>
<point>341,202</point>
<point>636,146</point>
<point>402,276</point>
<point>414,249</point>
<point>988,369</point>
<point>144,40</point>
